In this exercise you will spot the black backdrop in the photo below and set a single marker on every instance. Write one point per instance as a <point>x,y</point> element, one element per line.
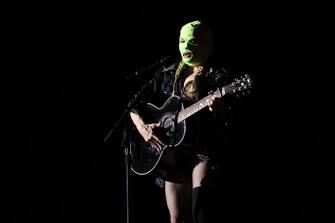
<point>64,88</point>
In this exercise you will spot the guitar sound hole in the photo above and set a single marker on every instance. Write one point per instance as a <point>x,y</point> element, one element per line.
<point>169,128</point>
<point>168,124</point>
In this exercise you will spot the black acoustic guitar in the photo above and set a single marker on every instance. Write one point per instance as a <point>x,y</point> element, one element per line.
<point>172,115</point>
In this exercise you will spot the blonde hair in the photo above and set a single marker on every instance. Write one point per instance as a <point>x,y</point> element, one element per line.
<point>181,67</point>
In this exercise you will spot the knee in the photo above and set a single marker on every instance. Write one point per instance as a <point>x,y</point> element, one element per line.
<point>175,219</point>
<point>180,217</point>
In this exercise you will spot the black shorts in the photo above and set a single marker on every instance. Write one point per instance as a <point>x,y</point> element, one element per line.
<point>187,159</point>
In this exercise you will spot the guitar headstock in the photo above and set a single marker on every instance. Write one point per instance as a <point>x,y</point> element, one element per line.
<point>239,84</point>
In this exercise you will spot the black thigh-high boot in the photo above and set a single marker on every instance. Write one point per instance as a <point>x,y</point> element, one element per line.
<point>198,205</point>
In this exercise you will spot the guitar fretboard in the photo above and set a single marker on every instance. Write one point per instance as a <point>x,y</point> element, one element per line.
<point>187,112</point>
<point>239,85</point>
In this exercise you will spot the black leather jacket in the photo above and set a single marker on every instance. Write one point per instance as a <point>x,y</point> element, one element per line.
<point>205,129</point>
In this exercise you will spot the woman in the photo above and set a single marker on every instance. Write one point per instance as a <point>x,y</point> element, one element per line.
<point>191,79</point>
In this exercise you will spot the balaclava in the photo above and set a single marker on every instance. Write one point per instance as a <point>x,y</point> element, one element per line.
<point>195,43</point>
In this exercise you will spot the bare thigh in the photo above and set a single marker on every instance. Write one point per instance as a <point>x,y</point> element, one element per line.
<point>179,199</point>
<point>199,172</point>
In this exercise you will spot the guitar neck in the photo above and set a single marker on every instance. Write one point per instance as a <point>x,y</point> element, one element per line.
<point>199,105</point>
<point>234,87</point>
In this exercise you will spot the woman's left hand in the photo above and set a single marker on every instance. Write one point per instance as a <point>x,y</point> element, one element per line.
<point>215,104</point>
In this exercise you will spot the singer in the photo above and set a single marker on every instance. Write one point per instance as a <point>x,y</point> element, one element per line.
<point>190,190</point>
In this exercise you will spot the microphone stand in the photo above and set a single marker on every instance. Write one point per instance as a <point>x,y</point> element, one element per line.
<point>137,74</point>
<point>126,141</point>
<point>126,145</point>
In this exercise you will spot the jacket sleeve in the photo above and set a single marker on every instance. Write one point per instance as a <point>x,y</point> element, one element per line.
<point>149,93</point>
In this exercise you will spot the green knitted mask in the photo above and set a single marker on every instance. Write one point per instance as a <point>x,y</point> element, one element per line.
<point>195,43</point>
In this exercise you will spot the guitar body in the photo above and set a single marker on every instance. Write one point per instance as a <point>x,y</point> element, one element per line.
<point>172,116</point>
<point>145,158</point>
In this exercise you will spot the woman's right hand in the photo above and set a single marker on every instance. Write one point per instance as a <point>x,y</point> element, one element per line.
<point>149,134</point>
<point>148,131</point>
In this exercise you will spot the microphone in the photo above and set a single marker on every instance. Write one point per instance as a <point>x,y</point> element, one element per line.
<point>166,59</point>
<point>152,68</point>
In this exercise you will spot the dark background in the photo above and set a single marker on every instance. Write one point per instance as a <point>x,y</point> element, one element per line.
<point>63,89</point>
